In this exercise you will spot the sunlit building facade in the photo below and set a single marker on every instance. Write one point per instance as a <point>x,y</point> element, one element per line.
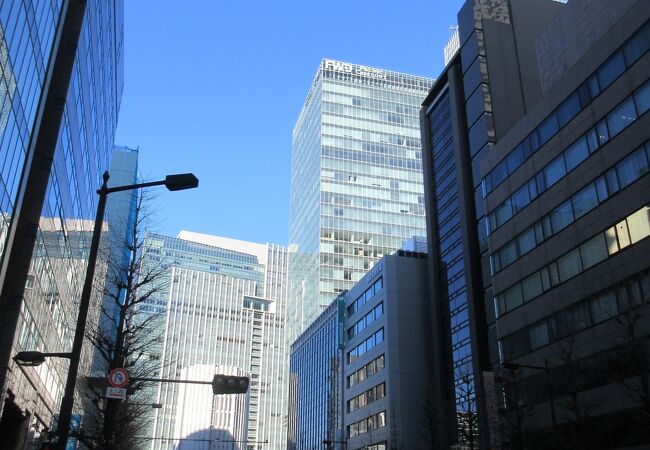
<point>56,273</point>
<point>356,180</point>
<point>223,307</point>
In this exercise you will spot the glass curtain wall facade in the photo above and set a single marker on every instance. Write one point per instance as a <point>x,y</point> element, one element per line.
<point>315,389</point>
<point>356,180</point>
<point>85,142</point>
<point>223,305</point>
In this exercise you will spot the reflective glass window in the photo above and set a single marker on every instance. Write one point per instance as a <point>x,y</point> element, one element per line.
<point>561,216</point>
<point>569,265</point>
<point>577,153</point>
<point>568,109</point>
<point>639,225</point>
<point>585,200</point>
<point>532,286</point>
<point>611,70</point>
<point>554,171</point>
<point>637,45</point>
<point>593,251</point>
<point>621,117</point>
<point>631,168</point>
<point>603,307</point>
<point>539,335</point>
<point>526,241</point>
<point>642,99</point>
<point>548,128</point>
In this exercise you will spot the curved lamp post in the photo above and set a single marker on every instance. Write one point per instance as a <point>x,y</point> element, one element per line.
<point>173,183</point>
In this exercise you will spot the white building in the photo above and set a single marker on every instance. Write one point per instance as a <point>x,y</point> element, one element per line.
<point>224,310</point>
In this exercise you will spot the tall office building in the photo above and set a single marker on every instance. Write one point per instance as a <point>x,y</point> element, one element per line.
<point>356,181</point>
<point>223,307</point>
<point>536,169</point>
<point>490,81</point>
<point>567,201</point>
<point>59,223</point>
<point>120,216</point>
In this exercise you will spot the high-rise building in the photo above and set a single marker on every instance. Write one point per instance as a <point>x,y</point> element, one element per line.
<point>567,202</point>
<point>536,167</point>
<point>490,81</point>
<point>61,221</point>
<point>356,181</point>
<point>361,372</point>
<point>120,216</point>
<point>223,306</point>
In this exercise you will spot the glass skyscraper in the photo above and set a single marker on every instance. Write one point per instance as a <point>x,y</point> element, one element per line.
<point>223,308</point>
<point>356,181</point>
<point>62,233</point>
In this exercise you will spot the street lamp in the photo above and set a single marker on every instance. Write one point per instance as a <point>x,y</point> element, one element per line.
<point>173,183</point>
<point>33,359</point>
<point>549,385</point>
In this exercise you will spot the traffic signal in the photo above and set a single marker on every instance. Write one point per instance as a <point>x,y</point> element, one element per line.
<point>229,384</point>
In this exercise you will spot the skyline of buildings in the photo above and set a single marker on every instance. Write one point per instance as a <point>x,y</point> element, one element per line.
<point>466,264</point>
<point>356,180</point>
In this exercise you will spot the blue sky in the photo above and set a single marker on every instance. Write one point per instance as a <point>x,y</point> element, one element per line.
<point>215,87</point>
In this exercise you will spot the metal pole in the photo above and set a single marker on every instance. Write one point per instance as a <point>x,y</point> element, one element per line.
<point>67,402</point>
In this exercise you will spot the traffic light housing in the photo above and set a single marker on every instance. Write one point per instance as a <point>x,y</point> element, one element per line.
<point>229,384</point>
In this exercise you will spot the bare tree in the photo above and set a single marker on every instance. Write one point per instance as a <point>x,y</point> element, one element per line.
<point>126,338</point>
<point>578,404</point>
<point>466,411</point>
<point>631,369</point>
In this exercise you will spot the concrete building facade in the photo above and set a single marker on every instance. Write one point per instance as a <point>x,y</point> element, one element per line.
<point>567,206</point>
<point>223,305</point>
<point>360,374</point>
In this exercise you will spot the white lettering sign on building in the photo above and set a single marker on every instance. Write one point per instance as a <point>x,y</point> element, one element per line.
<point>338,66</point>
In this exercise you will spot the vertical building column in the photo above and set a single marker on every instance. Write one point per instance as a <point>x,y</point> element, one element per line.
<point>471,251</point>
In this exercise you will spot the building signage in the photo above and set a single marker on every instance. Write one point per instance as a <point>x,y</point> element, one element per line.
<point>116,393</point>
<point>354,69</point>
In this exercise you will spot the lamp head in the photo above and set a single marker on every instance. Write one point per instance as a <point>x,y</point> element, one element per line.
<point>181,181</point>
<point>31,359</point>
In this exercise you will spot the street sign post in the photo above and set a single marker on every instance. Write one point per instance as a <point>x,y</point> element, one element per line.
<point>118,378</point>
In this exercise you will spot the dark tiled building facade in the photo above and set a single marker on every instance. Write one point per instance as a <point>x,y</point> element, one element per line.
<point>538,208</point>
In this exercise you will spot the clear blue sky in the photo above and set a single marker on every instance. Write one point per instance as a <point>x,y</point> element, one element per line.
<point>214,87</point>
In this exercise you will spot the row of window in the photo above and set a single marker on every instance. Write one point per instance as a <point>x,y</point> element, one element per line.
<point>375,314</point>
<point>610,70</point>
<point>626,113</point>
<point>627,171</point>
<point>628,231</point>
<point>368,424</point>
<point>366,371</point>
<point>590,311</point>
<point>367,295</point>
<point>370,343</point>
<point>365,398</point>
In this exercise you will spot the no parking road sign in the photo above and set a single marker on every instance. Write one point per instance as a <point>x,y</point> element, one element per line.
<point>118,378</point>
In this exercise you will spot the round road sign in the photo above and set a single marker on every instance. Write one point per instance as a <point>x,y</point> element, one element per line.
<point>118,378</point>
